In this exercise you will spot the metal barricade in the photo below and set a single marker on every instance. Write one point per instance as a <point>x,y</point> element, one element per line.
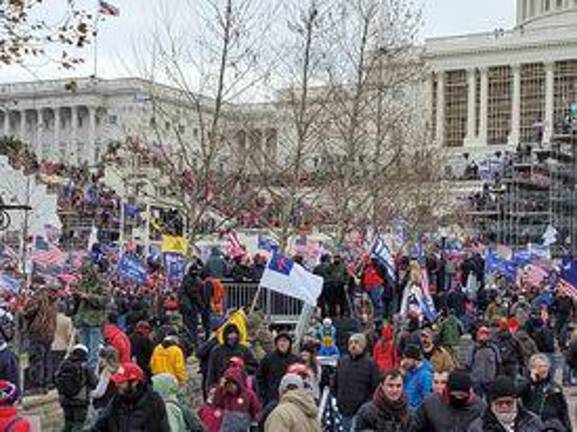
<point>277,307</point>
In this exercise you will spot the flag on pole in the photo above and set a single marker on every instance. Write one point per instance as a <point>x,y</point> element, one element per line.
<point>550,235</point>
<point>108,9</point>
<point>568,277</point>
<point>285,276</point>
<point>381,252</point>
<point>234,248</point>
<point>47,254</point>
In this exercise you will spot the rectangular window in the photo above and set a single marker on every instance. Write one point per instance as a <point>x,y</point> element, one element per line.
<point>499,105</point>
<point>456,96</point>
<point>532,101</point>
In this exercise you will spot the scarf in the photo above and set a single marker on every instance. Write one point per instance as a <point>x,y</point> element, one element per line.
<point>398,409</point>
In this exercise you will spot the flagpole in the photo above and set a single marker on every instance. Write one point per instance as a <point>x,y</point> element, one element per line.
<point>97,15</point>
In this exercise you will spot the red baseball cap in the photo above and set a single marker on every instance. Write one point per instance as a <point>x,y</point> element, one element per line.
<point>127,372</point>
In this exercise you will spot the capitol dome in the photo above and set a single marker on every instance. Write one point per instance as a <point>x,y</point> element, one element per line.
<point>546,13</point>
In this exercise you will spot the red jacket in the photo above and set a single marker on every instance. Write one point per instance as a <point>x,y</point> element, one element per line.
<point>118,339</point>
<point>385,352</point>
<point>245,401</point>
<point>371,277</point>
<point>9,418</point>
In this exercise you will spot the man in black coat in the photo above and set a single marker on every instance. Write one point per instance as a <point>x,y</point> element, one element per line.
<point>453,413</point>
<point>356,379</point>
<point>136,407</point>
<point>544,397</point>
<point>273,367</point>
<point>194,300</point>
<point>222,353</point>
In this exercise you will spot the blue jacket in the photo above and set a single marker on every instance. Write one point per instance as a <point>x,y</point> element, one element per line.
<point>9,367</point>
<point>331,351</point>
<point>418,384</point>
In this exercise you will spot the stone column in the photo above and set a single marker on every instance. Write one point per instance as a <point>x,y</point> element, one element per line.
<point>441,108</point>
<point>471,107</point>
<point>91,142</point>
<point>38,135</point>
<point>56,145</point>
<point>22,125</point>
<point>6,125</point>
<point>549,101</point>
<point>73,143</point>
<point>484,106</point>
<point>516,106</point>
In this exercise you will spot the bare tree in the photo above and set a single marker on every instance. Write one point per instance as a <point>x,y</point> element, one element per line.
<point>24,35</point>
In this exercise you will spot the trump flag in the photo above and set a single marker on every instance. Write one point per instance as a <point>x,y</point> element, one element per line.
<point>286,277</point>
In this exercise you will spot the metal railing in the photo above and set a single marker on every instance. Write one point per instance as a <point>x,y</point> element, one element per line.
<point>277,307</point>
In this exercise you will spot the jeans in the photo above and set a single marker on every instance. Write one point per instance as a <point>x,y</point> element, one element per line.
<point>349,423</point>
<point>39,369</point>
<point>376,296</point>
<point>92,338</point>
<point>190,318</point>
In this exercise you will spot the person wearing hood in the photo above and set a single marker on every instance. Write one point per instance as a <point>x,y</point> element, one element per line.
<point>194,301</point>
<point>483,361</point>
<point>10,420</point>
<point>136,407</point>
<point>505,413</point>
<point>168,357</point>
<point>74,381</point>
<point>239,404</point>
<point>273,367</point>
<point>356,379</point>
<point>418,376</point>
<point>388,411</point>
<point>116,338</point>
<point>142,345</point>
<point>9,368</point>
<point>296,410</point>
<point>544,397</point>
<point>223,352</point>
<point>510,349</point>
<point>454,410</point>
<point>385,352</point>
<point>180,418</point>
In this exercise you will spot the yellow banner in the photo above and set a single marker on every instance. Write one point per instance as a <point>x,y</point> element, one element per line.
<point>174,244</point>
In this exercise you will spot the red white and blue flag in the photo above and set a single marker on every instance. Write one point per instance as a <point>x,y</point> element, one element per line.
<point>108,9</point>
<point>47,254</point>
<point>234,247</point>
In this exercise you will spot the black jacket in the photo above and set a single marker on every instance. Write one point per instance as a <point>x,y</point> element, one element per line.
<point>546,399</point>
<point>438,415</point>
<point>145,411</point>
<point>509,348</point>
<point>524,422</point>
<point>270,372</point>
<point>142,348</point>
<point>355,382</point>
<point>77,360</point>
<point>372,418</point>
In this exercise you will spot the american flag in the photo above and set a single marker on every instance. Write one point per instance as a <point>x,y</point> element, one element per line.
<point>47,254</point>
<point>533,275</point>
<point>568,281</point>
<point>108,9</point>
<point>7,254</point>
<point>234,248</point>
<point>332,420</point>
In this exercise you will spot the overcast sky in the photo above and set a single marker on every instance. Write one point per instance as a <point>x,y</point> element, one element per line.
<point>442,18</point>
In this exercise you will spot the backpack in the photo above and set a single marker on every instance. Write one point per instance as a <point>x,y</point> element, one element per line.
<point>70,379</point>
<point>508,351</point>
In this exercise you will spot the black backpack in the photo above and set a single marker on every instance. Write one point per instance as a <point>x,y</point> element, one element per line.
<point>70,379</point>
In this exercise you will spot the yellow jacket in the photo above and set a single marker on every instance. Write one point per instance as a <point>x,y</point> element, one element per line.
<point>168,360</point>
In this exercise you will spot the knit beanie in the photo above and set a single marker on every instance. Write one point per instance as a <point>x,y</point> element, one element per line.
<point>504,387</point>
<point>459,381</point>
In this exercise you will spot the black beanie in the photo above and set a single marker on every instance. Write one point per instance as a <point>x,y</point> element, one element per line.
<point>413,352</point>
<point>504,387</point>
<point>459,381</point>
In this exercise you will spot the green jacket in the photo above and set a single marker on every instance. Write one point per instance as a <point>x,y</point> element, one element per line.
<point>91,311</point>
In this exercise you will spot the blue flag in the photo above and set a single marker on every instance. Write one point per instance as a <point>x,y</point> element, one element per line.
<point>174,267</point>
<point>132,269</point>
<point>381,252</point>
<point>497,264</point>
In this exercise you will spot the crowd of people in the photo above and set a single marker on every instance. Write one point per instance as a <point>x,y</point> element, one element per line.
<point>164,357</point>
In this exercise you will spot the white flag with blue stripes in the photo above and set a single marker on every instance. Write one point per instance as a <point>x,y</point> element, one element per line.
<point>381,252</point>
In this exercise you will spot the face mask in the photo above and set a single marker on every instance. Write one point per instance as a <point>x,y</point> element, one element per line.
<point>458,402</point>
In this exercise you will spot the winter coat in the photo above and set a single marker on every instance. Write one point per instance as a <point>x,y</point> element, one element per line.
<point>372,277</point>
<point>418,384</point>
<point>524,422</point>
<point>63,333</point>
<point>385,353</point>
<point>528,345</point>
<point>9,369</point>
<point>546,399</point>
<point>245,401</point>
<point>179,417</point>
<point>90,311</point>
<point>77,359</point>
<point>11,421</point>
<point>168,358</point>
<point>142,349</point>
<point>270,372</point>
<point>483,361</point>
<point>40,313</point>
<point>118,339</point>
<point>192,294</point>
<point>371,418</point>
<point>143,411</point>
<point>450,332</point>
<point>441,359</point>
<point>509,348</point>
<point>436,414</point>
<point>216,265</point>
<point>296,412</point>
<point>355,381</point>
<point>221,354</point>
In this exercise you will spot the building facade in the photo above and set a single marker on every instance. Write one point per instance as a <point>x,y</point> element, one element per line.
<point>495,90</point>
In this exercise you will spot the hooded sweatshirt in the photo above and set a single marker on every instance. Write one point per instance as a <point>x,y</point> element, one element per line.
<point>168,358</point>
<point>385,352</point>
<point>296,412</point>
<point>118,339</point>
<point>245,401</point>
<point>167,387</point>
